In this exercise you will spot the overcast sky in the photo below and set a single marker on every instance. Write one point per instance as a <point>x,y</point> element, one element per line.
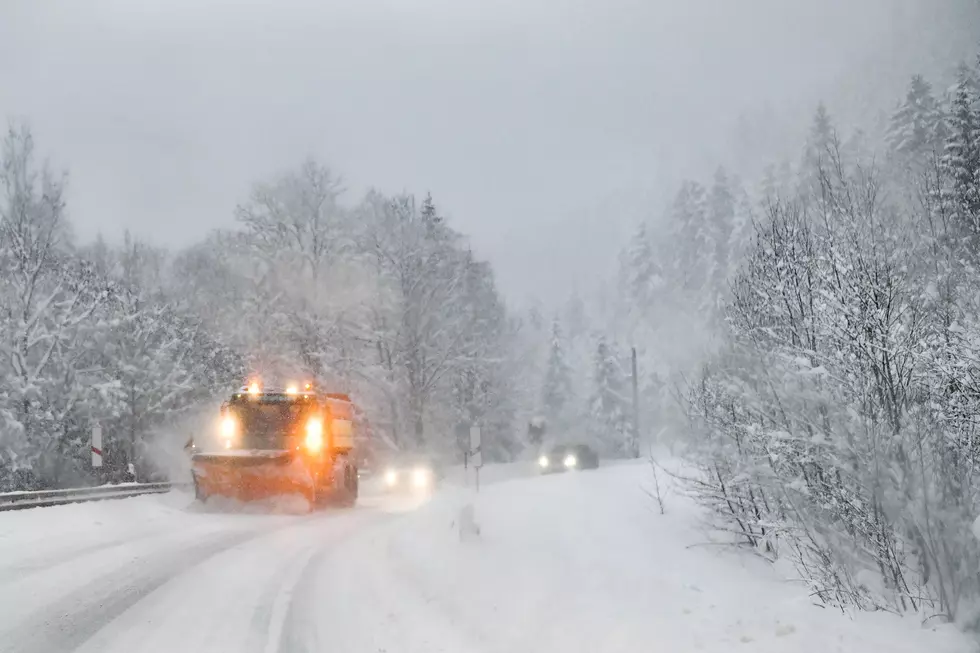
<point>522,117</point>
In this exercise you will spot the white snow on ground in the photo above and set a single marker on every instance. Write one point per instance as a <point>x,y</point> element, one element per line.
<point>583,562</point>
<point>577,562</point>
<point>160,572</point>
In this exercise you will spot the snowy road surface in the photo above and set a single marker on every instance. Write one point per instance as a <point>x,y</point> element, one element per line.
<point>571,563</point>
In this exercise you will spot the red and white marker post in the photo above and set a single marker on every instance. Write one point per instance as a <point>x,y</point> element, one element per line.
<point>96,446</point>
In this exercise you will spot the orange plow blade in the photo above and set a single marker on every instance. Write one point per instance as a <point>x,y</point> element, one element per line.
<point>251,475</point>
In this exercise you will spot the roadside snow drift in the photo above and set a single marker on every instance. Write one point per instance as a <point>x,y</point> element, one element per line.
<point>584,562</point>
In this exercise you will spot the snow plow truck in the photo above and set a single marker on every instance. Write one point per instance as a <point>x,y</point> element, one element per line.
<point>274,443</point>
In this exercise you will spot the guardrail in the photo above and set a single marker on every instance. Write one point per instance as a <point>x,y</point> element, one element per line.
<point>46,498</point>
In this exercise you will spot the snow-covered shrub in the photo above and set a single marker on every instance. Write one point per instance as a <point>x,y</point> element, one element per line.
<point>837,425</point>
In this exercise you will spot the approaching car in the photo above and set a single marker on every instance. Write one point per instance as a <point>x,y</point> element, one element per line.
<point>565,457</point>
<point>411,474</point>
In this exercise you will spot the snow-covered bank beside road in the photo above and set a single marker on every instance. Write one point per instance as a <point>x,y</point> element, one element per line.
<point>583,562</point>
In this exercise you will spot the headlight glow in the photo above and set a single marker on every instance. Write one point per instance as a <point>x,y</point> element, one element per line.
<point>228,427</point>
<point>543,461</point>
<point>391,477</point>
<point>421,477</point>
<point>314,434</point>
<point>570,460</point>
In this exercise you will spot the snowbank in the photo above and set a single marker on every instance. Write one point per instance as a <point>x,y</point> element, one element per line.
<point>583,562</point>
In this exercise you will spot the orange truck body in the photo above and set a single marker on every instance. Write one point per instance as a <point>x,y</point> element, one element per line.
<point>278,444</point>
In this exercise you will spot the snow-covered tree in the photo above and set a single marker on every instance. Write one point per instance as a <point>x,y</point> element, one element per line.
<point>692,238</point>
<point>556,393</point>
<point>610,403</point>
<point>381,300</point>
<point>297,221</point>
<point>821,141</point>
<point>641,273</point>
<point>962,155</point>
<point>834,426</point>
<point>422,328</point>
<point>48,304</point>
<point>721,219</point>
<point>917,126</point>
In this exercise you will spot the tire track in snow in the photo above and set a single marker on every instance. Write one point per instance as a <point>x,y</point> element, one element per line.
<point>295,634</point>
<point>40,564</point>
<point>352,600</point>
<point>293,608</point>
<point>282,603</point>
<point>67,623</point>
<point>78,616</point>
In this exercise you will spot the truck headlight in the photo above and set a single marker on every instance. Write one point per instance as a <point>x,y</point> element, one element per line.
<point>543,462</point>
<point>314,435</point>
<point>229,427</point>
<point>570,461</point>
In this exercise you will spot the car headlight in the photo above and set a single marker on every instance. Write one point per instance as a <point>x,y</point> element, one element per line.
<point>543,461</point>
<point>391,477</point>
<point>421,477</point>
<point>570,461</point>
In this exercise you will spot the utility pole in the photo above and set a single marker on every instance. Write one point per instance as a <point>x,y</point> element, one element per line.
<point>635,444</point>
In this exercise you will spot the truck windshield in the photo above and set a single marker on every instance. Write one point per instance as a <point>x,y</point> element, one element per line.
<point>268,425</point>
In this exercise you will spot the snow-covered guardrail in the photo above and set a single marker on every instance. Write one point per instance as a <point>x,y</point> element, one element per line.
<point>45,498</point>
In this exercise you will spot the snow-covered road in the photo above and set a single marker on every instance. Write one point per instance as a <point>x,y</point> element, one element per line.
<point>157,573</point>
<point>575,563</point>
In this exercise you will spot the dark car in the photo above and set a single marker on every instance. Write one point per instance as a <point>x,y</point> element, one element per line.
<point>565,457</point>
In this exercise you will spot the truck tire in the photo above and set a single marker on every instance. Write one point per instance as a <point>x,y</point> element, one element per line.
<point>342,492</point>
<point>199,493</point>
<point>347,494</point>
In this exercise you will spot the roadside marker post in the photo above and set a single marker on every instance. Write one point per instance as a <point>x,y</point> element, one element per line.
<point>96,445</point>
<point>476,454</point>
<point>468,528</point>
<point>96,448</point>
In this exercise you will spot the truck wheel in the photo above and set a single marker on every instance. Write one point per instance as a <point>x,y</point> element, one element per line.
<point>199,493</point>
<point>347,494</point>
<point>322,496</point>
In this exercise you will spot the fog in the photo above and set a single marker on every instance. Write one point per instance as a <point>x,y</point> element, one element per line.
<point>545,128</point>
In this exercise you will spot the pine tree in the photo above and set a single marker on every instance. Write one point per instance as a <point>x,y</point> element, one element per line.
<point>961,159</point>
<point>916,127</point>
<point>557,391</point>
<point>692,238</point>
<point>721,219</point>
<point>431,220</point>
<point>609,408</point>
<point>819,146</point>
<point>641,273</point>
